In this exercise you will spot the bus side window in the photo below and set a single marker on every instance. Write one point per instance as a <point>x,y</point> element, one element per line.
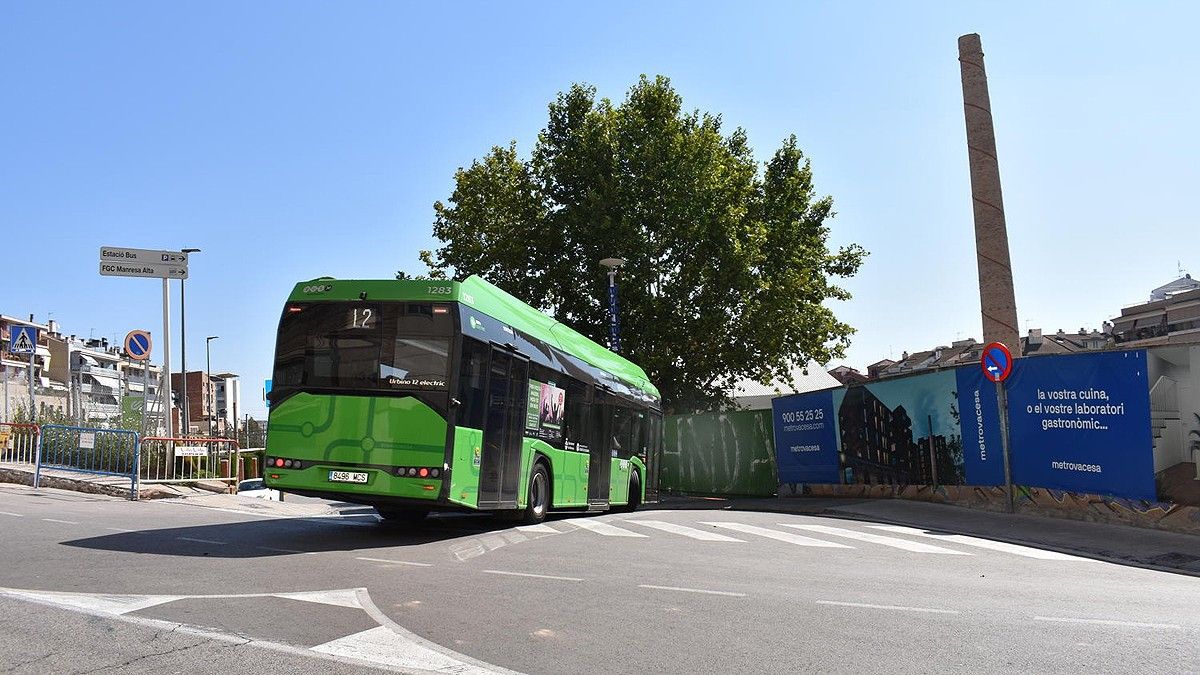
<point>471,380</point>
<point>638,444</point>
<point>577,427</point>
<point>621,431</point>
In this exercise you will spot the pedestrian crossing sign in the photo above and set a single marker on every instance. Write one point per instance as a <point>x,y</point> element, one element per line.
<point>22,340</point>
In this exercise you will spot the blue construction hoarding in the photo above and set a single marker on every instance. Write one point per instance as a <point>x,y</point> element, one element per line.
<point>806,437</point>
<point>1082,423</point>
<point>1078,422</point>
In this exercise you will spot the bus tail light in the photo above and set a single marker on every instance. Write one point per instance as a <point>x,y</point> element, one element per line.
<point>416,471</point>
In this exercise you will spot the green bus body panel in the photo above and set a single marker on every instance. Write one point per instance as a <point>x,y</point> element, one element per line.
<point>358,430</point>
<point>483,296</point>
<point>568,470</point>
<point>464,467</point>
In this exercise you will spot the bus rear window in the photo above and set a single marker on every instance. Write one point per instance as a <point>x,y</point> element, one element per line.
<point>363,346</point>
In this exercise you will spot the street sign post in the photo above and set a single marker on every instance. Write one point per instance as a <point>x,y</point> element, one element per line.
<point>116,261</point>
<point>997,365</point>
<point>142,256</point>
<point>142,262</point>
<point>23,340</point>
<point>150,270</point>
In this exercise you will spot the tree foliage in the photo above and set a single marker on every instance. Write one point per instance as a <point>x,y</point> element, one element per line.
<point>728,267</point>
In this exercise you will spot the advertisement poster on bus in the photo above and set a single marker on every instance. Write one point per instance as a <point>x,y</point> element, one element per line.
<point>1081,423</point>
<point>546,407</point>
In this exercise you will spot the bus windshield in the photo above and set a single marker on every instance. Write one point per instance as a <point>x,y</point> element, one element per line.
<point>389,346</point>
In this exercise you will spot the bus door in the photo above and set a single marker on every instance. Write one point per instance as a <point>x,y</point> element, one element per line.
<point>600,450</point>
<point>500,458</point>
<point>653,457</point>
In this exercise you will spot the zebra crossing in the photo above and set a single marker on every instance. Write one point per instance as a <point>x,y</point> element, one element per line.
<point>859,535</point>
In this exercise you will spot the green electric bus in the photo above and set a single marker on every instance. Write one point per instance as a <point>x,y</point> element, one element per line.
<point>419,396</point>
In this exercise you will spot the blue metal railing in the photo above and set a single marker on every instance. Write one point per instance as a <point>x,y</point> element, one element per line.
<point>105,452</point>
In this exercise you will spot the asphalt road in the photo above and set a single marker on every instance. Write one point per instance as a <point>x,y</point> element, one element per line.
<point>95,583</point>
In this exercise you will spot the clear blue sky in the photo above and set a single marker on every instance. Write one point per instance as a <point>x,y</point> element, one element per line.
<point>292,139</point>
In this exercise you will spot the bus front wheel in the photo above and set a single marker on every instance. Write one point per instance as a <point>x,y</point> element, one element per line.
<point>537,500</point>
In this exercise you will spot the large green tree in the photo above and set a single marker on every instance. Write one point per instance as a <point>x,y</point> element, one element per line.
<point>728,264</point>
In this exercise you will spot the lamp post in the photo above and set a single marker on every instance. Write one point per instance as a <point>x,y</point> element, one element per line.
<point>208,381</point>
<point>614,321</point>
<point>183,414</point>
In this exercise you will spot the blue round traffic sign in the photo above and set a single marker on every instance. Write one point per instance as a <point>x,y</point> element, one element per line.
<point>997,362</point>
<point>138,345</point>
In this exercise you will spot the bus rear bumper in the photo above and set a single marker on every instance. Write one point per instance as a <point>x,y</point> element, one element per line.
<point>379,486</point>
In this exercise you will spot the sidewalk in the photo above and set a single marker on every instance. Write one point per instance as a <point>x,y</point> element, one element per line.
<point>1153,549</point>
<point>116,486</point>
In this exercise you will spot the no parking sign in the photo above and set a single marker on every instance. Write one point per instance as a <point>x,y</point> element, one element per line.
<point>138,345</point>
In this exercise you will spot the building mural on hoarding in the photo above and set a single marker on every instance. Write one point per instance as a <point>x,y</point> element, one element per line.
<point>906,431</point>
<point>1078,423</point>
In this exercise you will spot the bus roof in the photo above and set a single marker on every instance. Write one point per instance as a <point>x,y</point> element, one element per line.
<point>491,300</point>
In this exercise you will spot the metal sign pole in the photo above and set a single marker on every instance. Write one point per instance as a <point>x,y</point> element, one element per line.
<point>145,394</point>
<point>1002,401</point>
<point>166,388</point>
<point>32,405</point>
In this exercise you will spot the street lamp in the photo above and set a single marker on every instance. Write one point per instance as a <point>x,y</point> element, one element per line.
<point>614,323</point>
<point>183,348</point>
<point>208,381</point>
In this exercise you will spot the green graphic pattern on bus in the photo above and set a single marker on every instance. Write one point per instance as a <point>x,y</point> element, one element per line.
<point>358,430</point>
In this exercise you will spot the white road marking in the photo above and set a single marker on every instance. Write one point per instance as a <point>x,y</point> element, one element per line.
<point>344,597</point>
<point>381,645</point>
<point>1108,622</point>
<point>534,576</point>
<point>94,603</point>
<point>1002,546</point>
<point>201,541</point>
<point>914,546</point>
<point>540,527</point>
<point>286,550</point>
<point>10,513</point>
<point>893,607</point>
<point>788,537</point>
<point>693,590</point>
<point>119,529</point>
<point>389,646</point>
<point>396,562</point>
<point>684,530</point>
<point>604,528</point>
<point>64,522</point>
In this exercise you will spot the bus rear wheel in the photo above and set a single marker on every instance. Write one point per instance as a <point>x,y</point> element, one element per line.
<point>401,516</point>
<point>537,499</point>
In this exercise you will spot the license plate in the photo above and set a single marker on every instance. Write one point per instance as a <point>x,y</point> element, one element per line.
<point>347,477</point>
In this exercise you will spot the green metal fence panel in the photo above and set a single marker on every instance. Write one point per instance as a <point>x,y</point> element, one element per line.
<point>729,453</point>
